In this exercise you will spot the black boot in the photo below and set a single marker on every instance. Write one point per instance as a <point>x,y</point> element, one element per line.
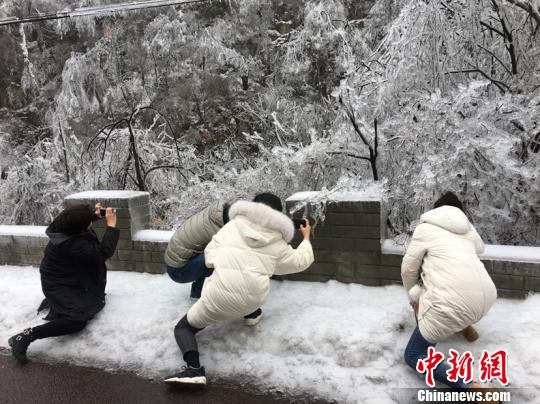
<point>19,344</point>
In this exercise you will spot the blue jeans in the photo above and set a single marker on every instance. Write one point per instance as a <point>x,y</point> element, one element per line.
<point>195,271</point>
<point>417,348</point>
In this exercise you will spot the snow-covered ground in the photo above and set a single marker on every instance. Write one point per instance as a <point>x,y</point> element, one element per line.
<point>333,340</point>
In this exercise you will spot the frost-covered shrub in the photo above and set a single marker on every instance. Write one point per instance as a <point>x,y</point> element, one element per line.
<point>464,144</point>
<point>34,188</point>
<point>236,97</point>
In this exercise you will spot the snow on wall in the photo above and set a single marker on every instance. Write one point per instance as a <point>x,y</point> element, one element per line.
<point>492,252</point>
<point>107,195</point>
<point>160,236</point>
<point>28,231</point>
<point>368,195</point>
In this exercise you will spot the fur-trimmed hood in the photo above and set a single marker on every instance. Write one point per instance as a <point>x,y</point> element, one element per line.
<point>263,216</point>
<point>449,218</point>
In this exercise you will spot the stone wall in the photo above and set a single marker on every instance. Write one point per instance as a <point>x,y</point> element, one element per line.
<point>347,244</point>
<point>22,245</point>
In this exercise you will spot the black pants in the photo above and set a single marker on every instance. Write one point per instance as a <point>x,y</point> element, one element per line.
<point>55,328</point>
<point>184,333</point>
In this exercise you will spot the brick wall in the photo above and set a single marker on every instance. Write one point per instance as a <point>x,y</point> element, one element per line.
<point>347,245</point>
<point>24,246</point>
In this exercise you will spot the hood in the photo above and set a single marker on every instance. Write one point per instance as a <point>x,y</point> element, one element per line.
<point>55,237</point>
<point>262,225</point>
<point>449,218</point>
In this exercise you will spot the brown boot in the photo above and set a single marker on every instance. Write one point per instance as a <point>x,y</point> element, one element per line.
<point>470,334</point>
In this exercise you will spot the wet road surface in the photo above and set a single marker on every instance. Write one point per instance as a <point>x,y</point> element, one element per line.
<point>47,383</point>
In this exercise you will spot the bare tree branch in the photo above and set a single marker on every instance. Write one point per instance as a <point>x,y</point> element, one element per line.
<point>343,153</point>
<point>491,28</point>
<point>495,57</point>
<point>508,37</point>
<point>372,150</point>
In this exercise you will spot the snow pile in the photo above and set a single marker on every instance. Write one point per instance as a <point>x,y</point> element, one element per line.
<point>330,339</point>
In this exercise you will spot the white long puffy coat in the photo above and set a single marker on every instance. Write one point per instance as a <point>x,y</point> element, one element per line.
<point>245,253</point>
<point>457,290</point>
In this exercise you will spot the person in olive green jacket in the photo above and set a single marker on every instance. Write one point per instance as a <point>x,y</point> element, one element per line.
<point>184,255</point>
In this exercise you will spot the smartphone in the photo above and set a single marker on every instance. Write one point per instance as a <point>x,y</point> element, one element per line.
<point>102,212</point>
<point>299,222</point>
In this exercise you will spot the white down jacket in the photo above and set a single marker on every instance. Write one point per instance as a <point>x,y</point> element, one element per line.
<point>245,253</point>
<point>457,291</point>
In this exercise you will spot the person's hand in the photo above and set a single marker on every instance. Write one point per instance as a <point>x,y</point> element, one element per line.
<point>414,306</point>
<point>97,207</point>
<point>305,229</point>
<point>110,217</point>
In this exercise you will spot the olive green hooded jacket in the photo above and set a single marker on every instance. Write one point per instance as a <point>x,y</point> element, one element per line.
<point>194,234</point>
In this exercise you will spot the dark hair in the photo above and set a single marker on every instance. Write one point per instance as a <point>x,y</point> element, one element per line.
<point>226,207</point>
<point>74,220</point>
<point>270,200</point>
<point>448,199</point>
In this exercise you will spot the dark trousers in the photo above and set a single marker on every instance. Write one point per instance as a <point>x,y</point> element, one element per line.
<point>417,348</point>
<point>57,328</point>
<point>184,333</point>
<point>195,270</point>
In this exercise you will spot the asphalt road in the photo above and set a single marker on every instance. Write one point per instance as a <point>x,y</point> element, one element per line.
<point>47,383</point>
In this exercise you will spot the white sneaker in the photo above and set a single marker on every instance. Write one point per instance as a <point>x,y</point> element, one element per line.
<point>188,377</point>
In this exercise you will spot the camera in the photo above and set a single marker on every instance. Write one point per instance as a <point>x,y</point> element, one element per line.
<point>300,222</point>
<point>102,212</point>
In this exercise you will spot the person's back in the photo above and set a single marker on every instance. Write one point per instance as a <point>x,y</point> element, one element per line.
<point>451,269</point>
<point>449,289</point>
<point>457,291</point>
<point>245,253</point>
<point>73,274</point>
<point>184,254</point>
<point>195,233</point>
<point>74,264</point>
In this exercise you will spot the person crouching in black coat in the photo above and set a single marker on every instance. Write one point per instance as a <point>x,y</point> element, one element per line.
<point>73,275</point>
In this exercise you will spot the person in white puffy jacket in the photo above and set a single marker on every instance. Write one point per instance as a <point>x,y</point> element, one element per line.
<point>245,253</point>
<point>448,286</point>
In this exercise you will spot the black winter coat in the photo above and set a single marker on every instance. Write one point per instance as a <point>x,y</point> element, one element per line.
<point>74,274</point>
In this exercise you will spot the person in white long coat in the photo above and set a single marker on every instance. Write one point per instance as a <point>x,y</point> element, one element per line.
<point>245,253</point>
<point>448,286</point>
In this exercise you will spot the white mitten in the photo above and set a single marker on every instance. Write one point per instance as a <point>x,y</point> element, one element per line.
<point>415,292</point>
